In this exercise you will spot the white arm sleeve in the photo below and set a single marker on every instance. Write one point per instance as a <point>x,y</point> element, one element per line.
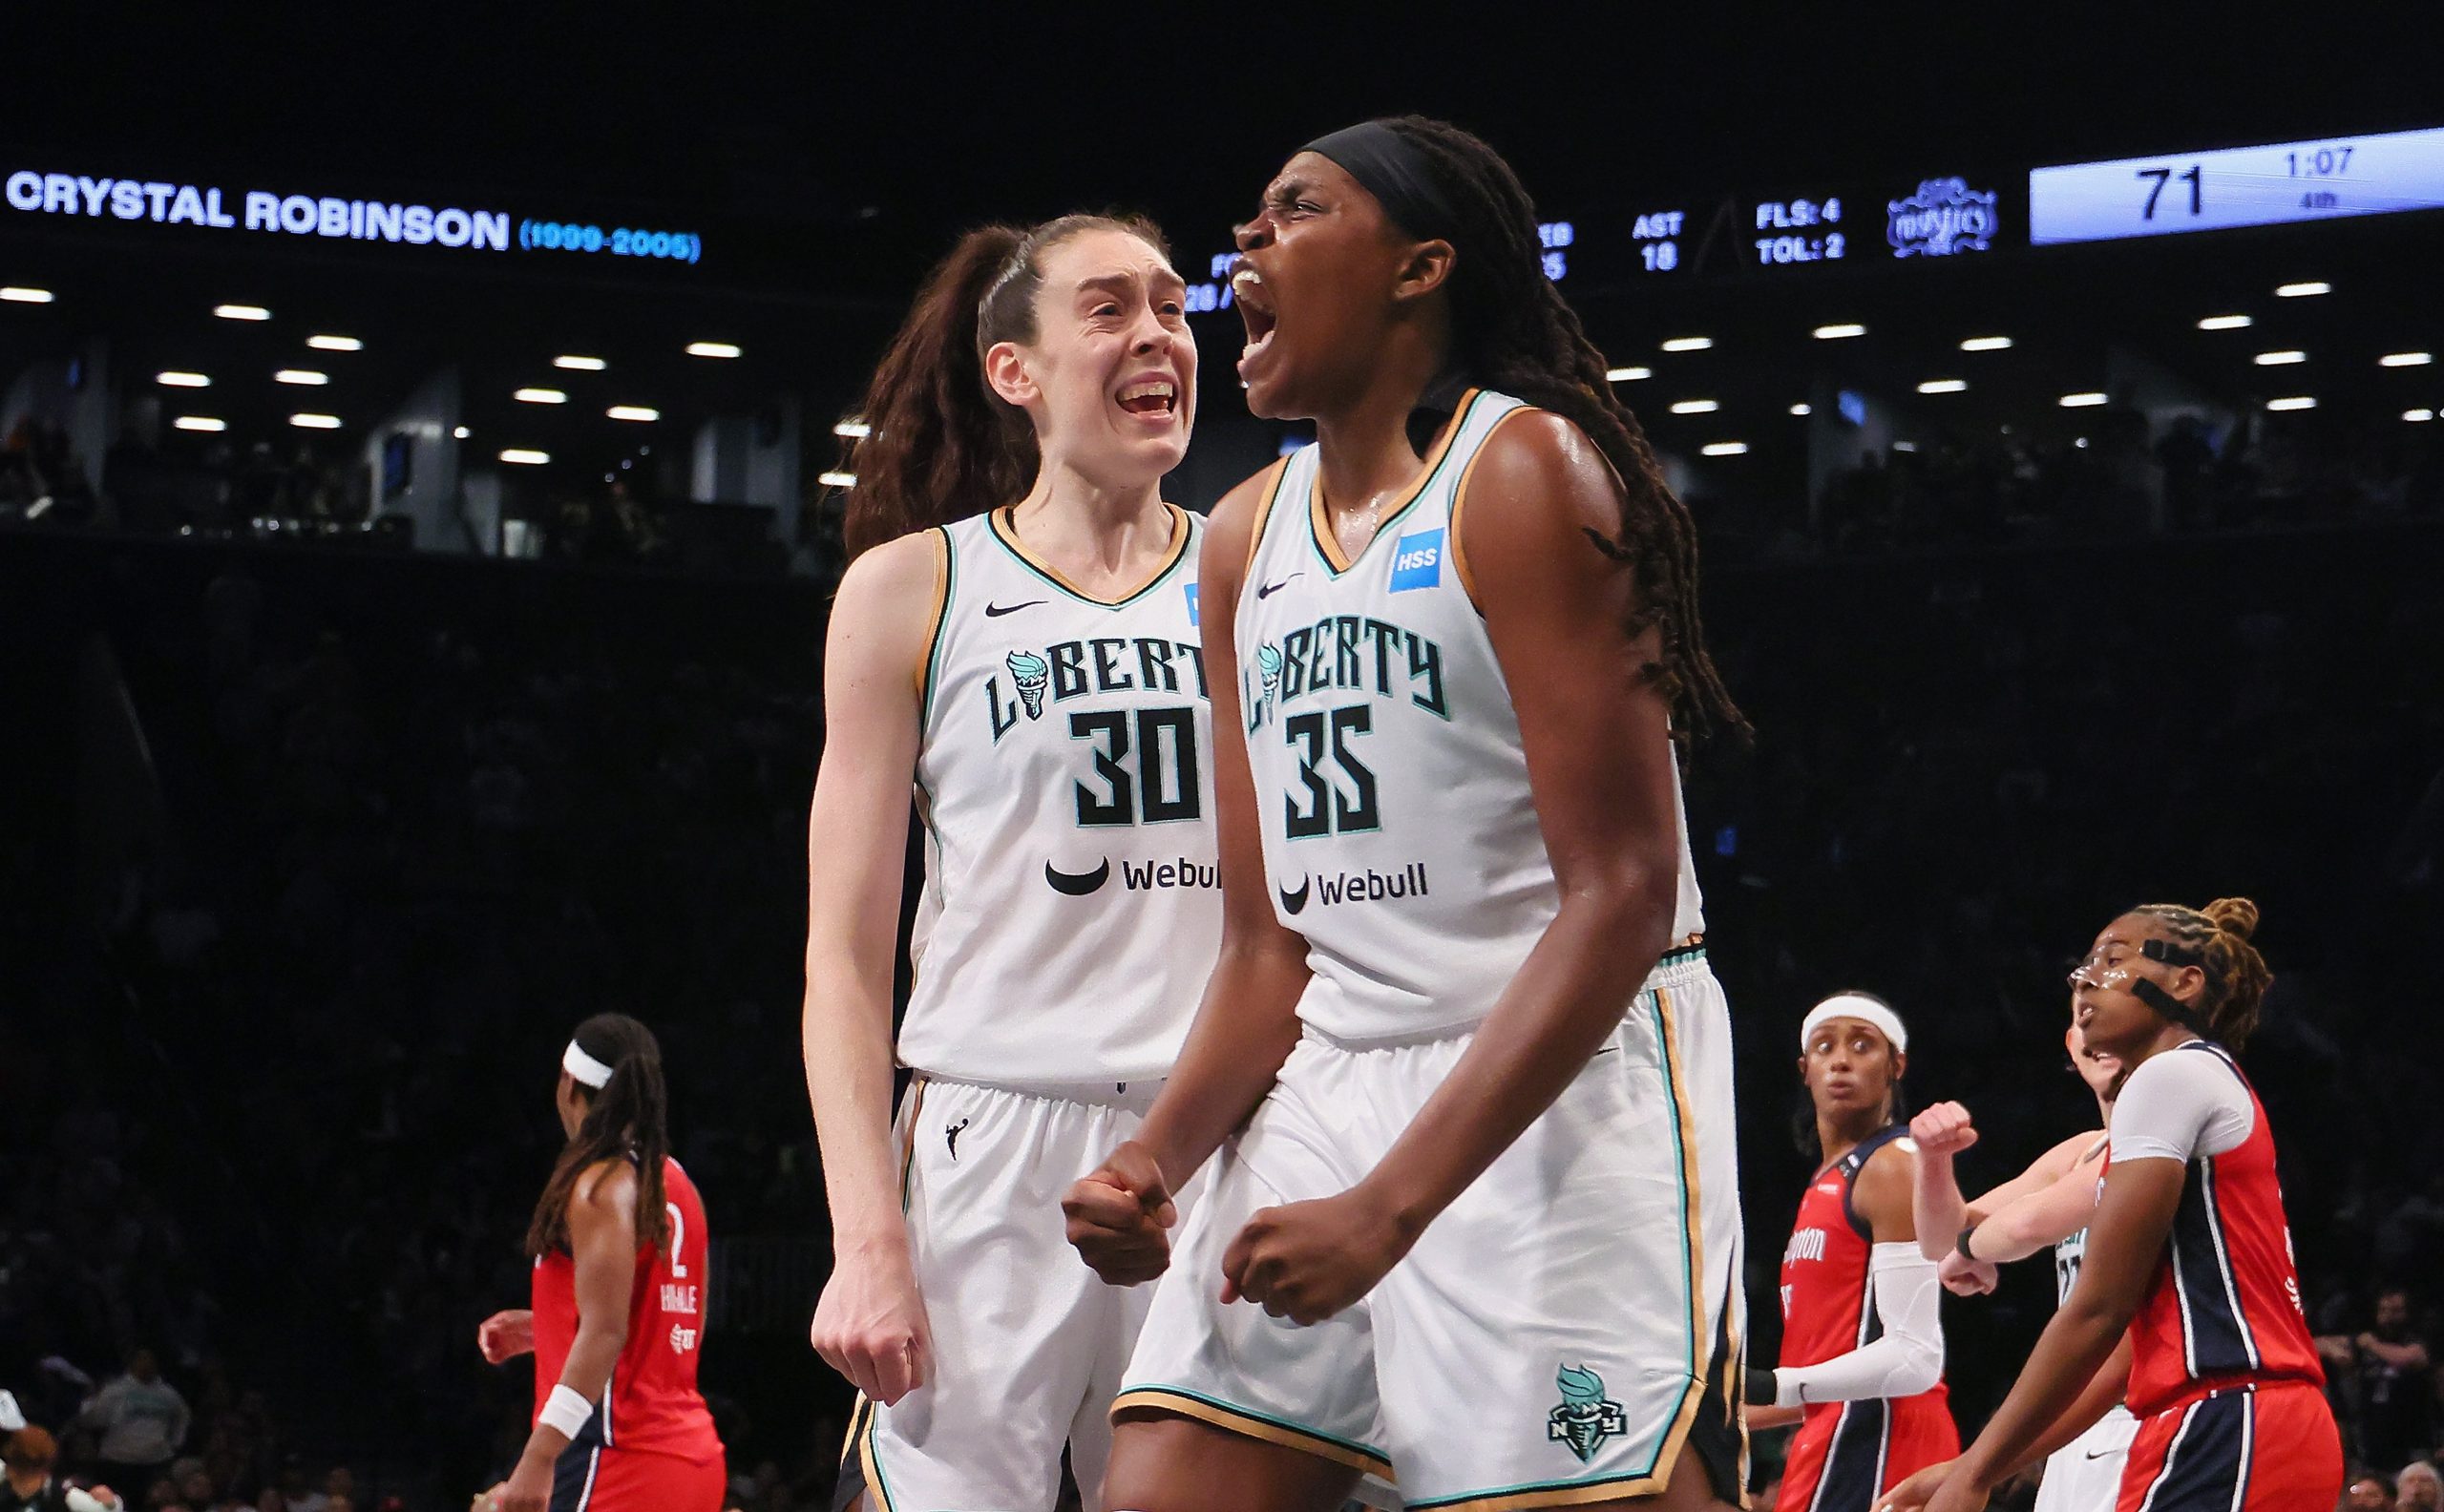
<point>1907,1361</point>
<point>2181,1104</point>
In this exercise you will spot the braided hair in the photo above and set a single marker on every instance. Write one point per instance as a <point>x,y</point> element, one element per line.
<point>624,1117</point>
<point>1513,332</point>
<point>2237,977</point>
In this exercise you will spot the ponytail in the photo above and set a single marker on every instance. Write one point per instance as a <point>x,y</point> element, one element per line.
<point>941,445</point>
<point>625,1116</point>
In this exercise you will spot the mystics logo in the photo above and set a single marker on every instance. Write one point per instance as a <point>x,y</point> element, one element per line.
<point>1944,217</point>
<point>1333,889</point>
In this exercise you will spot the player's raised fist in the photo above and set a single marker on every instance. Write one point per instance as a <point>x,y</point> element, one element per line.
<point>1942,1129</point>
<point>1119,1216</point>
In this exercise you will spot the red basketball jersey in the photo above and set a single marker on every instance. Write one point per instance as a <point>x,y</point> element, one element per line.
<point>653,1402</point>
<point>2224,1308</point>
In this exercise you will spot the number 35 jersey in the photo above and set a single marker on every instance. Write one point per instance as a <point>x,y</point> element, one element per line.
<point>1399,832</point>
<point>1072,905</point>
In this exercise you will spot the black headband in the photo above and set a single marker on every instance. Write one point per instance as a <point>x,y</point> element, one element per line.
<point>1388,166</point>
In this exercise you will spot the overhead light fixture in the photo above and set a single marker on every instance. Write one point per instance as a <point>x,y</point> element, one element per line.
<point>1986,343</point>
<point>838,480</point>
<point>183,380</point>
<point>1627,374</point>
<point>853,430</point>
<point>2279,359</point>
<point>2296,402</point>
<point>460,433</point>
<point>1936,386</point>
<point>580,364</point>
<point>540,396</point>
<point>19,294</point>
<point>632,412</point>
<point>198,422</point>
<point>1696,407</point>
<point>1726,449</point>
<point>2225,323</point>
<point>2405,359</point>
<point>1912,446</point>
<point>1839,332</point>
<point>1801,410</point>
<point>244,312</point>
<point>2302,290</point>
<point>524,457</point>
<point>1688,344</point>
<point>2418,416</point>
<point>2081,401</point>
<point>711,349</point>
<point>315,422</point>
<point>334,344</point>
<point>304,377</point>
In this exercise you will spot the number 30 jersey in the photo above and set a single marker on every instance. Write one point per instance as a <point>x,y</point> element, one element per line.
<point>1392,789</point>
<point>1072,905</point>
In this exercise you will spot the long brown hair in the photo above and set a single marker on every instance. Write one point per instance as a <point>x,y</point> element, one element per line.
<point>941,445</point>
<point>623,1117</point>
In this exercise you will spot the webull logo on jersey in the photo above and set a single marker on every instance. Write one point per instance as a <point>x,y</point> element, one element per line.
<point>1352,653</point>
<point>1069,669</point>
<point>1136,876</point>
<point>1332,888</point>
<point>1417,561</point>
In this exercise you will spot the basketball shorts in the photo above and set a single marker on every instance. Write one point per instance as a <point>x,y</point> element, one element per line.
<point>1847,1454</point>
<point>1028,1343</point>
<point>1557,1335</point>
<point>2085,1473</point>
<point>2270,1447</point>
<point>588,1478</point>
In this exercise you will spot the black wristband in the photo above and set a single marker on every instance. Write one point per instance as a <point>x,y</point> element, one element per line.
<point>1961,1243</point>
<point>1760,1391</point>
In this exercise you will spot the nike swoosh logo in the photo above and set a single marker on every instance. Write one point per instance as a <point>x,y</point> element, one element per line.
<point>2099,1454</point>
<point>1270,589</point>
<point>994,611</point>
<point>1294,902</point>
<point>1077,884</point>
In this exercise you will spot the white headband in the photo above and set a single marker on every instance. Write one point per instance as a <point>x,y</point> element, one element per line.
<point>1850,1005</point>
<point>588,1071</point>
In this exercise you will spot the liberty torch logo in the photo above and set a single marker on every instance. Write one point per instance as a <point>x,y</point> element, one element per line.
<point>1029,671</point>
<point>1586,1417</point>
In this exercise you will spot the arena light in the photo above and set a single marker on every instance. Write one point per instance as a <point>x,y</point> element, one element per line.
<point>579,364</point>
<point>853,430</point>
<point>19,294</point>
<point>244,312</point>
<point>2405,359</point>
<point>2279,359</point>
<point>460,433</point>
<point>540,396</point>
<point>198,422</point>
<point>2418,416</point>
<point>2225,323</point>
<point>711,349</point>
<point>523,457</point>
<point>838,480</point>
<point>181,379</point>
<point>314,422</point>
<point>1936,386</point>
<point>2081,401</point>
<point>2302,290</point>
<point>2295,401</point>
<point>1726,449</point>
<point>1802,409</point>
<point>1986,343</point>
<point>1841,332</point>
<point>302,377</point>
<point>1696,407</point>
<point>632,412</point>
<point>334,344</point>
<point>1628,375</point>
<point>1689,344</point>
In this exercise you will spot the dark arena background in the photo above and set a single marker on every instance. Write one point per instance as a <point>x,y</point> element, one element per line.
<point>421,447</point>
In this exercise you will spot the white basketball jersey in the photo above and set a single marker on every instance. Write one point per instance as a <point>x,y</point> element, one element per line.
<point>1390,783</point>
<point>1072,905</point>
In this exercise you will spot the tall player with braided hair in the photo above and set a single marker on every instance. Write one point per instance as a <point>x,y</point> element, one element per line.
<point>1014,644</point>
<point>1476,1227</point>
<point>2189,1250</point>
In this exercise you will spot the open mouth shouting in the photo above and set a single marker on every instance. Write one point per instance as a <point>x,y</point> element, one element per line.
<point>1154,397</point>
<point>1256,312</point>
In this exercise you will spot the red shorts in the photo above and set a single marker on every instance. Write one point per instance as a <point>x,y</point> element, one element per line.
<point>589,1479</point>
<point>2265,1448</point>
<point>1847,1454</point>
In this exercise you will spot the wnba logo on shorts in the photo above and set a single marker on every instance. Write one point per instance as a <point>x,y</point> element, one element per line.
<point>1417,561</point>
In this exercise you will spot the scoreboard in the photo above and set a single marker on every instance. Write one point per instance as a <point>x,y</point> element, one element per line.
<point>2276,184</point>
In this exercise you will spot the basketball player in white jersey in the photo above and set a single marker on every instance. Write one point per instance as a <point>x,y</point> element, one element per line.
<point>1476,1227</point>
<point>2048,1203</point>
<point>1015,644</point>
